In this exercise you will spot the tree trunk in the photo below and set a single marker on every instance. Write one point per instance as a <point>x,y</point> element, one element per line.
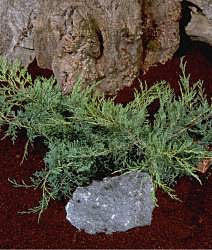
<point>110,40</point>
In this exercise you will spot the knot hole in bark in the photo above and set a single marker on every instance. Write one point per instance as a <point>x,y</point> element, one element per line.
<point>101,41</point>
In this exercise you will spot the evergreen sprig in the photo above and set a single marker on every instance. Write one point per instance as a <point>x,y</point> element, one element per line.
<point>89,137</point>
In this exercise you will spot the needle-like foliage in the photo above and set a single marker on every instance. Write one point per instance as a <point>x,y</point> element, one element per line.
<point>89,137</point>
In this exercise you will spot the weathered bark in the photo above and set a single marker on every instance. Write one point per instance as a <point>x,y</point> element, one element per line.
<point>200,26</point>
<point>16,29</point>
<point>107,40</point>
<point>205,6</point>
<point>161,31</point>
<point>101,40</point>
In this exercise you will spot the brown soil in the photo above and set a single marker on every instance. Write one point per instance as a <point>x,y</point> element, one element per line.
<point>186,224</point>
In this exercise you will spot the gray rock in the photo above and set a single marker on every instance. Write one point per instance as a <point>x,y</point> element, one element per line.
<point>113,205</point>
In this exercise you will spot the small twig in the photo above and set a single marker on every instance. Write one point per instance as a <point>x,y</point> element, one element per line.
<point>25,152</point>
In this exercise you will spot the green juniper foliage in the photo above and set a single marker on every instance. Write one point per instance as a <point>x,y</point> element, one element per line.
<point>88,137</point>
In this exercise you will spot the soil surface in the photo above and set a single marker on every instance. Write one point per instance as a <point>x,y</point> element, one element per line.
<point>186,224</point>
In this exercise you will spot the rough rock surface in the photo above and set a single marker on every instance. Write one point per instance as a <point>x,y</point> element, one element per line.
<point>200,26</point>
<point>110,40</point>
<point>114,205</point>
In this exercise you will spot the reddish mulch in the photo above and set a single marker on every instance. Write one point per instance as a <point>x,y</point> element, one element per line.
<point>186,224</point>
